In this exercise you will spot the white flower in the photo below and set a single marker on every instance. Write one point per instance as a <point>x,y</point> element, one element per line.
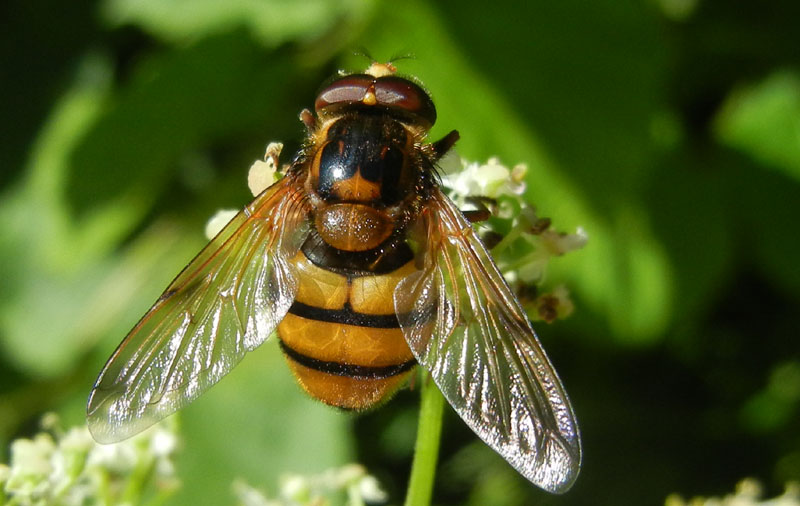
<point>371,491</point>
<point>748,493</point>
<point>119,458</point>
<point>163,443</point>
<point>249,496</point>
<point>295,487</point>
<point>31,466</point>
<point>217,222</point>
<point>262,173</point>
<point>260,176</point>
<point>347,475</point>
<point>532,271</point>
<point>491,179</point>
<point>70,459</point>
<point>524,242</point>
<point>69,468</point>
<point>559,243</point>
<point>76,439</point>
<point>315,490</point>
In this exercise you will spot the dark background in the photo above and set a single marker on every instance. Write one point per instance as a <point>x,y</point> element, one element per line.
<point>668,129</point>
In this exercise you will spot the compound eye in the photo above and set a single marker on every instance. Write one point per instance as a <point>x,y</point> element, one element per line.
<point>399,93</point>
<point>389,92</point>
<point>348,89</point>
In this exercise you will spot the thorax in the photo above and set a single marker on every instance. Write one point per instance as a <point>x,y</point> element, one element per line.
<point>363,180</point>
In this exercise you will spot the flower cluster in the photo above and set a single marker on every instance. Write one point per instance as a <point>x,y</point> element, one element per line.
<point>70,468</point>
<point>316,490</point>
<point>492,179</point>
<point>522,242</point>
<point>748,493</point>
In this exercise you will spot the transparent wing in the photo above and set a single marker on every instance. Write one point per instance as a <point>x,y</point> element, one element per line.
<point>465,326</point>
<point>226,302</point>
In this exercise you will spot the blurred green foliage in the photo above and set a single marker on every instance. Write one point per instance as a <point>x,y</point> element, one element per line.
<point>668,129</point>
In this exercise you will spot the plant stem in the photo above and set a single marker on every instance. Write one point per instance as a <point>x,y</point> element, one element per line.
<point>426,451</point>
<point>354,496</point>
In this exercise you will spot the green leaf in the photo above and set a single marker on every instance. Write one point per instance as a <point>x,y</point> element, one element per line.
<point>777,404</point>
<point>176,101</point>
<point>64,288</point>
<point>763,120</point>
<point>271,22</point>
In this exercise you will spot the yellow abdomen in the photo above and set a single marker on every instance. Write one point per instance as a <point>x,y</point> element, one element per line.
<point>341,336</point>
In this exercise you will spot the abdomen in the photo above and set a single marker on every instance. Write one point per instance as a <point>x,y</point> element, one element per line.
<point>341,337</point>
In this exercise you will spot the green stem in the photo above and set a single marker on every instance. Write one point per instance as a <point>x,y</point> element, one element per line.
<point>426,451</point>
<point>137,481</point>
<point>522,261</point>
<point>354,496</point>
<point>506,241</point>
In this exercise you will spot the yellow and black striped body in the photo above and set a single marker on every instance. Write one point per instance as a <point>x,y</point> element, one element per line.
<point>341,336</point>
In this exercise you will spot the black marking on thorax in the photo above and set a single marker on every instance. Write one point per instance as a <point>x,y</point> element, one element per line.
<point>370,145</point>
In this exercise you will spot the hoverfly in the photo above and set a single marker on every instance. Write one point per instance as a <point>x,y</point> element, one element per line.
<point>365,268</point>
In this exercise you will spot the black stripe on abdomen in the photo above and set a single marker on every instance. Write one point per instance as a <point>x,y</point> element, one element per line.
<point>345,316</point>
<point>349,370</point>
<point>384,259</point>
